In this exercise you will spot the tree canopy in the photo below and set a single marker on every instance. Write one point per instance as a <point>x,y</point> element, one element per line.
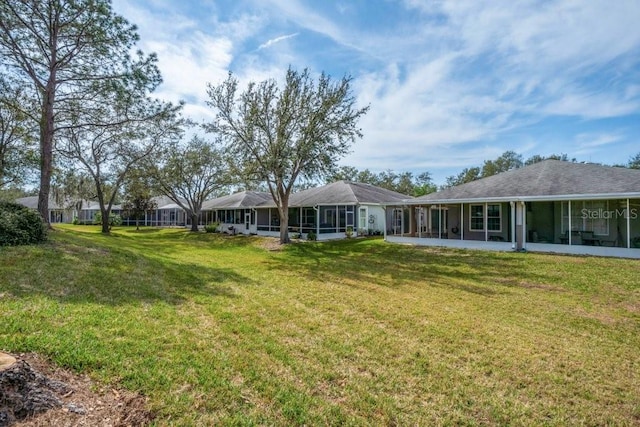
<point>65,52</point>
<point>17,154</point>
<point>282,135</point>
<point>401,182</point>
<point>191,173</point>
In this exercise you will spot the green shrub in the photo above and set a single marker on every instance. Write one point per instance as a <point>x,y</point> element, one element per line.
<point>312,236</point>
<point>113,219</point>
<point>212,228</point>
<point>20,225</point>
<point>349,232</point>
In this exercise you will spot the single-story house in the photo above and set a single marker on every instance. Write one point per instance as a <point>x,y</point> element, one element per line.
<point>236,213</point>
<point>66,212</point>
<point>551,206</point>
<point>167,213</point>
<point>328,211</point>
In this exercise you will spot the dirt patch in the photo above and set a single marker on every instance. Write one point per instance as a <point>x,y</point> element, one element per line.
<point>34,392</point>
<point>271,244</point>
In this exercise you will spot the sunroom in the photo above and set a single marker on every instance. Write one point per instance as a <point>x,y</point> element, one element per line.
<point>552,206</point>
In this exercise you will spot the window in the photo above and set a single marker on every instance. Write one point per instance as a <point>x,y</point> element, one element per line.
<point>477,216</point>
<point>587,216</point>
<point>308,217</point>
<point>494,218</point>
<point>362,219</point>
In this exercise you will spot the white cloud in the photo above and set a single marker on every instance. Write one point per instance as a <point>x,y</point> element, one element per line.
<point>271,42</point>
<point>445,86</point>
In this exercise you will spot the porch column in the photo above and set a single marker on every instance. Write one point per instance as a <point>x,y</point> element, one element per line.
<point>411,219</point>
<point>418,209</point>
<point>485,220</point>
<point>386,222</point>
<point>524,225</point>
<point>513,224</point>
<point>628,224</point>
<point>461,221</point>
<point>520,225</point>
<point>569,231</point>
<point>439,221</point>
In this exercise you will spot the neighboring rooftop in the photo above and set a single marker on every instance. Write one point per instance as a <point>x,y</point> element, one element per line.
<point>345,193</point>
<point>551,178</point>
<point>243,199</point>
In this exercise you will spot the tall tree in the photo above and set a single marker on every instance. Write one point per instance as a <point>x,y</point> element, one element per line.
<point>344,173</point>
<point>281,135</point>
<point>61,48</point>
<point>424,185</point>
<point>634,162</point>
<point>71,188</point>
<point>138,195</point>
<point>536,158</point>
<point>112,134</point>
<point>191,173</point>
<point>467,175</point>
<point>16,143</point>
<point>505,162</point>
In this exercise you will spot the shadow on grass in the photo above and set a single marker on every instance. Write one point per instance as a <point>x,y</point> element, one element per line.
<point>101,269</point>
<point>374,261</point>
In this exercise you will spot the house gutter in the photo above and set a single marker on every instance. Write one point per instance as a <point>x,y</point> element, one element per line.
<point>544,198</point>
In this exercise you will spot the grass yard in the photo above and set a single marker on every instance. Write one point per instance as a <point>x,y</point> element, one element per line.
<point>220,330</point>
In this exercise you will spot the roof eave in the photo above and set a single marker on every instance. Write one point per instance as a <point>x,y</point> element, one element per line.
<point>542,198</point>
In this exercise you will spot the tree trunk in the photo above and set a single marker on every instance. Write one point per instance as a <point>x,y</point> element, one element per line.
<point>284,224</point>
<point>46,149</point>
<point>194,222</point>
<point>106,228</point>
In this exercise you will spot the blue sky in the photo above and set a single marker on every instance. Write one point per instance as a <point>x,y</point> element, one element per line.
<point>449,83</point>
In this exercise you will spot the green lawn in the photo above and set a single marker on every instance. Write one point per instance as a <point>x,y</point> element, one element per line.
<point>220,330</point>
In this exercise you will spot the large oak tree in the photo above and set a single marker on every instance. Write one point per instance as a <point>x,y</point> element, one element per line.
<point>281,135</point>
<point>114,133</point>
<point>191,173</point>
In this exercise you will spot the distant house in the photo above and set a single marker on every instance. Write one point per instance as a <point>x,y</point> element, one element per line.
<point>65,212</point>
<point>328,211</point>
<point>236,213</point>
<point>167,213</point>
<point>551,206</point>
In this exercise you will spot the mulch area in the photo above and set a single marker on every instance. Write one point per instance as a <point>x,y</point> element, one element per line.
<point>35,392</point>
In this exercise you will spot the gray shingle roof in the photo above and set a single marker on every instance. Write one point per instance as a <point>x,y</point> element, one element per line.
<point>243,199</point>
<point>336,193</point>
<point>345,193</point>
<point>552,179</point>
<point>32,202</point>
